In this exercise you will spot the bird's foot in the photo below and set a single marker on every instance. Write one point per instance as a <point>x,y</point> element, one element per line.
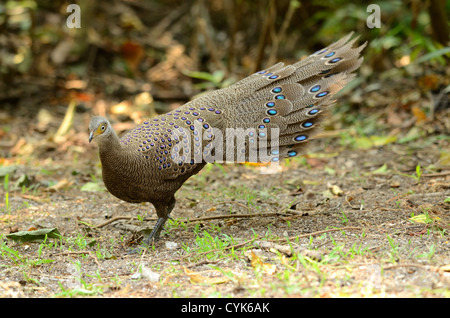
<point>150,240</point>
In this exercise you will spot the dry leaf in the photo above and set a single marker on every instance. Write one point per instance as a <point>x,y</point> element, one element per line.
<point>168,278</point>
<point>445,268</point>
<point>334,189</point>
<point>418,113</point>
<point>58,186</point>
<point>197,278</point>
<point>258,264</point>
<point>133,53</point>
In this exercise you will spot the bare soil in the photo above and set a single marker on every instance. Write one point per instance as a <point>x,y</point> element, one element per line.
<point>379,251</point>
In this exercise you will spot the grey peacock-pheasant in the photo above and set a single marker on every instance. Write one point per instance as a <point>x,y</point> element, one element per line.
<point>272,113</point>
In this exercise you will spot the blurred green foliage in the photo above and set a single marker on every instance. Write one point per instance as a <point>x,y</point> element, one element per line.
<point>31,28</point>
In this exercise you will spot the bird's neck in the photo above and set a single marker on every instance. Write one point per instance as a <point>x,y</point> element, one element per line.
<point>110,147</point>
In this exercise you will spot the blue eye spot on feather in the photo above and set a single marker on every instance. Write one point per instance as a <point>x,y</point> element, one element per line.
<point>330,54</point>
<point>300,138</point>
<point>335,60</point>
<point>292,153</point>
<point>270,104</point>
<point>322,94</point>
<point>313,111</point>
<point>273,77</point>
<point>314,88</point>
<point>307,124</point>
<point>266,120</point>
<point>277,90</point>
<point>272,112</point>
<point>262,135</point>
<point>268,74</point>
<point>261,126</point>
<point>280,97</point>
<point>261,72</point>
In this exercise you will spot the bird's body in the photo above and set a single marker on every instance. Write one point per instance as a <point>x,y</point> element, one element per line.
<point>267,116</point>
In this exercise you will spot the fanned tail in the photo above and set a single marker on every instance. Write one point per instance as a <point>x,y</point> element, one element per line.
<point>292,98</point>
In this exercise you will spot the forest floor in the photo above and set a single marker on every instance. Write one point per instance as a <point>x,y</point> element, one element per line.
<point>343,221</point>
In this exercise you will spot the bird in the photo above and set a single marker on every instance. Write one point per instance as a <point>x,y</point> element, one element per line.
<point>265,117</point>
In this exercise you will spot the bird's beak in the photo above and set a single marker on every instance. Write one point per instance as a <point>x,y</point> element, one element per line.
<point>91,136</point>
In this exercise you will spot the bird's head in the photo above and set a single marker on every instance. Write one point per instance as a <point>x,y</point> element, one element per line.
<point>99,127</point>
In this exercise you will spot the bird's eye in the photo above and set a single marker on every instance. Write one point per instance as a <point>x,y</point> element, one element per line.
<point>102,128</point>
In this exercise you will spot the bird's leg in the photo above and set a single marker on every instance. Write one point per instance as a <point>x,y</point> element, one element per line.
<point>154,235</point>
<point>163,212</point>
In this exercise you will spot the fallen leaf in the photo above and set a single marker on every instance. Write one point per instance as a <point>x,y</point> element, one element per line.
<point>444,158</point>
<point>91,187</point>
<point>373,141</point>
<point>197,278</point>
<point>418,113</point>
<point>34,236</point>
<point>258,264</point>
<point>59,185</point>
<point>381,170</point>
<point>335,190</point>
<point>420,218</point>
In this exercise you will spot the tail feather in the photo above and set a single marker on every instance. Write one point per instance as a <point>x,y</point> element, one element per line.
<point>292,98</point>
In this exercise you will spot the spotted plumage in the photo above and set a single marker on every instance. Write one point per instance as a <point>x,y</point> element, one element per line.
<point>152,161</point>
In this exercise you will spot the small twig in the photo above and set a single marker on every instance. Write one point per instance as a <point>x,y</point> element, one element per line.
<point>205,262</point>
<point>316,233</point>
<point>205,28</point>
<point>353,207</point>
<point>236,246</point>
<point>235,202</point>
<point>430,267</point>
<point>278,38</point>
<point>439,174</point>
<point>123,217</point>
<point>263,37</point>
<point>35,198</point>
<point>206,218</point>
<point>233,14</point>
